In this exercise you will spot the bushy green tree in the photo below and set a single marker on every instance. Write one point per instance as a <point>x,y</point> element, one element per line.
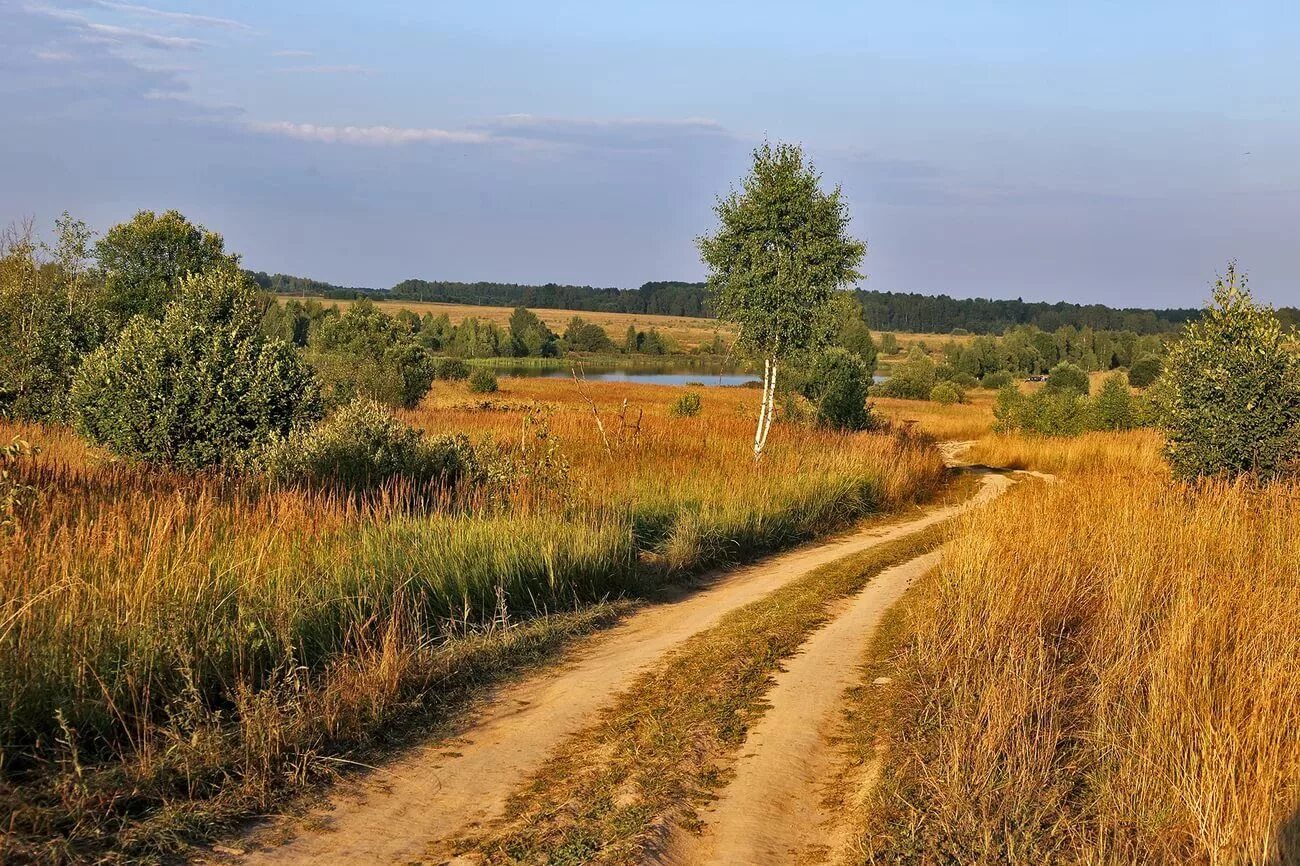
<point>997,380</point>
<point>837,384</point>
<point>203,387</point>
<point>1113,405</point>
<point>1145,370</point>
<point>49,319</point>
<point>144,259</point>
<point>913,379</point>
<point>1063,412</point>
<point>366,353</point>
<point>450,369</point>
<point>1067,377</point>
<point>850,329</point>
<point>483,381</point>
<point>1233,390</point>
<point>780,252</point>
<point>529,336</point>
<point>889,344</point>
<point>945,393</point>
<point>584,336</point>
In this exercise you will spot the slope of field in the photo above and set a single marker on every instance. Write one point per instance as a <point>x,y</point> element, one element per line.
<point>179,650</point>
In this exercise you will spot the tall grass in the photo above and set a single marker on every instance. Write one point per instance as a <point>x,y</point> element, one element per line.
<point>176,650</point>
<point>1105,672</point>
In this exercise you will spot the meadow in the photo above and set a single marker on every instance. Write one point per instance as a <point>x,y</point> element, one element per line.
<point>686,332</point>
<point>179,650</point>
<point>1101,670</point>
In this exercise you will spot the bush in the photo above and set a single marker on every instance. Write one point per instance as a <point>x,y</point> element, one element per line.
<point>913,379</point>
<point>363,448</point>
<point>997,380</point>
<point>1045,412</point>
<point>1233,390</point>
<point>1067,377</point>
<point>946,393</point>
<point>1114,405</point>
<point>450,369</point>
<point>483,381</point>
<point>202,387</point>
<point>686,406</point>
<point>367,353</point>
<point>1145,370</point>
<point>837,385</point>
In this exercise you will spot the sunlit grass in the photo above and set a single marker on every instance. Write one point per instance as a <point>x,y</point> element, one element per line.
<point>202,641</point>
<point>1105,671</point>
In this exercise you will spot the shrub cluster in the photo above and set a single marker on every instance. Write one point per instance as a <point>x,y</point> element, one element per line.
<point>1067,411</point>
<point>363,448</point>
<point>838,383</point>
<point>483,381</point>
<point>203,387</point>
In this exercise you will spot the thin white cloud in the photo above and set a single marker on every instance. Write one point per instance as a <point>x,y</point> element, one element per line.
<point>55,56</point>
<point>112,34</point>
<point>291,52</point>
<point>169,15</point>
<point>125,35</point>
<point>371,135</point>
<point>518,131</point>
<point>340,69</point>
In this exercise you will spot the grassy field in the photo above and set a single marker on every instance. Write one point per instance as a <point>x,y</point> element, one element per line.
<point>177,651</point>
<point>686,331</point>
<point>1101,671</point>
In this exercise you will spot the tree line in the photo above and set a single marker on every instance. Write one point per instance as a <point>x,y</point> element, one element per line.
<point>883,311</point>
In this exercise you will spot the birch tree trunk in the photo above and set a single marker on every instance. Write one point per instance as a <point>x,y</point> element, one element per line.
<point>767,408</point>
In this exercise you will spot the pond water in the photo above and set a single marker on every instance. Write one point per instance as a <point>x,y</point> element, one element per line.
<point>676,376</point>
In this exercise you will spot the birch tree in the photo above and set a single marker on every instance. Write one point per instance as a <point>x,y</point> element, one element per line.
<point>780,252</point>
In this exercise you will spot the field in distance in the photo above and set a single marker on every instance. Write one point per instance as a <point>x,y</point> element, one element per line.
<point>688,332</point>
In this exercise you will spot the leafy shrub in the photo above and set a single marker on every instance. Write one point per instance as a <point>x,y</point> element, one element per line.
<point>1067,377</point>
<point>997,380</point>
<point>483,381</point>
<point>362,447</point>
<point>202,387</point>
<point>913,379</point>
<point>838,385</point>
<point>584,336</point>
<point>1233,400</point>
<point>946,393</point>
<point>1046,412</point>
<point>1114,405</point>
<point>1145,370</point>
<point>367,353</point>
<point>450,369</point>
<point>686,406</point>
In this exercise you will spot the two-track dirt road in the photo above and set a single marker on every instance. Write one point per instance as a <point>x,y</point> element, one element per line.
<point>401,812</point>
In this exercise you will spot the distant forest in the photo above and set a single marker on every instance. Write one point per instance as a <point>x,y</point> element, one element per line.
<point>885,311</point>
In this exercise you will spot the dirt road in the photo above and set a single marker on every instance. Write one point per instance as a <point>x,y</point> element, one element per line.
<point>441,791</point>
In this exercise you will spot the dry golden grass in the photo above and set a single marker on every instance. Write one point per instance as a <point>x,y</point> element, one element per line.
<point>203,644</point>
<point>1104,672</point>
<point>959,421</point>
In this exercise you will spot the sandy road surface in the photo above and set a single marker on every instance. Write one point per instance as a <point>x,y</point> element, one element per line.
<point>442,790</point>
<point>770,812</point>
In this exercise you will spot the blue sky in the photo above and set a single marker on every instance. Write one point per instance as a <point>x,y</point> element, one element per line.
<point>1104,151</point>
